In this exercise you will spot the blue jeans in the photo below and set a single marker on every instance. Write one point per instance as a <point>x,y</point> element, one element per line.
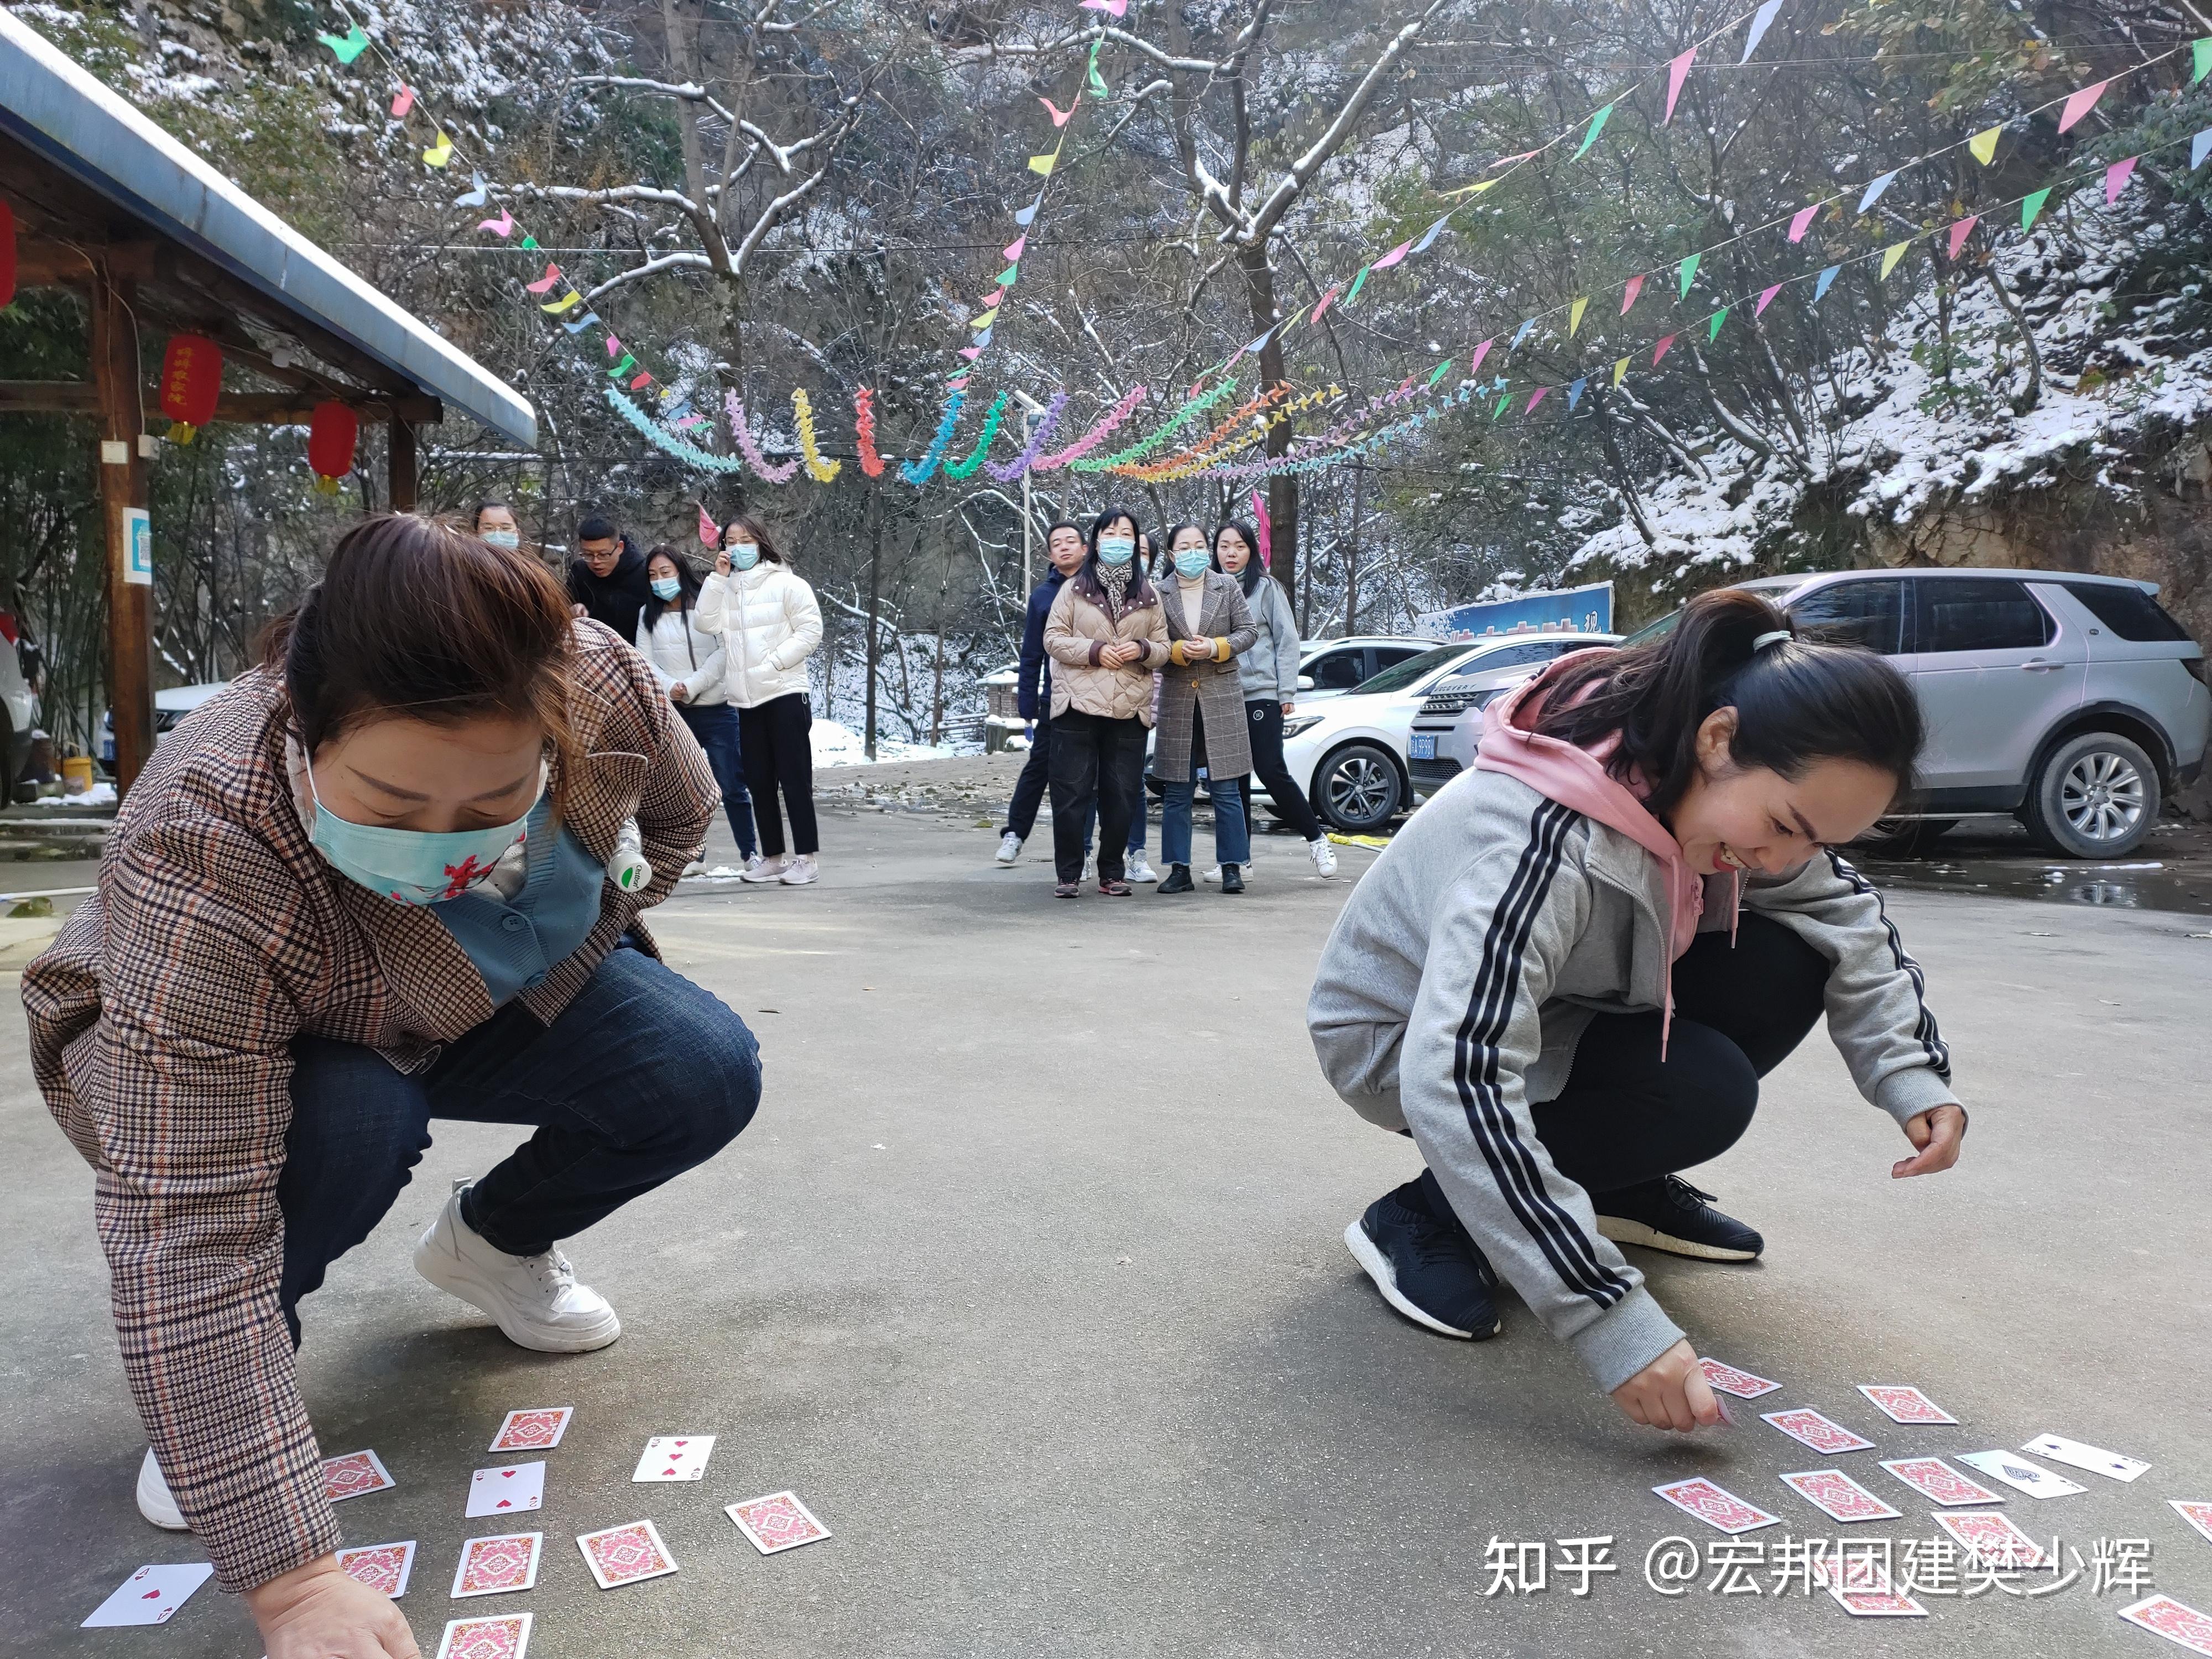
<point>643,1076</point>
<point>715,726</point>
<point>1232,838</point>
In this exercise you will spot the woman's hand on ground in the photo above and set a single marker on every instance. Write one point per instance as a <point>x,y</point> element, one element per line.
<point>316,1612</point>
<point>1669,1393</point>
<point>1936,1135</point>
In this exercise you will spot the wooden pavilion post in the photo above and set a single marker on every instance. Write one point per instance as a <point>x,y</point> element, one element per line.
<point>129,571</point>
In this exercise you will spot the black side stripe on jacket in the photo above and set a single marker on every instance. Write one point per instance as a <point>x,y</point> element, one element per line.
<point>1923,1030</point>
<point>1490,1009</point>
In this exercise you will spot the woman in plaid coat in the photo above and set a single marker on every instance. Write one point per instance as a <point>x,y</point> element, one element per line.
<point>1202,720</point>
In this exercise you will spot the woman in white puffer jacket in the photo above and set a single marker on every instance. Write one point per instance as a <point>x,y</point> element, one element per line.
<point>770,624</point>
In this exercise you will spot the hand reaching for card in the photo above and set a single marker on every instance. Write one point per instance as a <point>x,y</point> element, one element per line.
<point>1669,1393</point>
<point>318,1612</point>
<point>1937,1135</point>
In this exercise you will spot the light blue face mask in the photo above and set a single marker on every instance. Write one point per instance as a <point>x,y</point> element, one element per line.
<point>744,556</point>
<point>1116,550</point>
<point>503,537</point>
<point>1193,562</point>
<point>413,866</point>
<point>666,587</point>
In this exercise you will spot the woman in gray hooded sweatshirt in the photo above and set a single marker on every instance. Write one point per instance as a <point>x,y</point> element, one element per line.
<point>1269,672</point>
<point>1565,976</point>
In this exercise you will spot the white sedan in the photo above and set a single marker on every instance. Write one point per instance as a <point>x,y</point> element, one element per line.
<point>1351,749</point>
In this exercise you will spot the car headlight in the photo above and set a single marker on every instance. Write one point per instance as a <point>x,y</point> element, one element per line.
<point>1303,723</point>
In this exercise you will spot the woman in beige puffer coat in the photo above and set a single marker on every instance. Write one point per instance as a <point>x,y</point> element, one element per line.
<point>1106,634</point>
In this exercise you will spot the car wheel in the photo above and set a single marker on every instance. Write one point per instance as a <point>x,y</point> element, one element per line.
<point>1357,790</point>
<point>1901,838</point>
<point>2095,796</point>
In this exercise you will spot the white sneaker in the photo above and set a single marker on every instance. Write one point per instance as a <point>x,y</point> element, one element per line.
<point>154,1500</point>
<point>1091,865</point>
<point>801,871</point>
<point>760,869</point>
<point>1010,848</point>
<point>1140,868</point>
<point>696,867</point>
<point>1323,856</point>
<point>1212,873</point>
<point>534,1299</point>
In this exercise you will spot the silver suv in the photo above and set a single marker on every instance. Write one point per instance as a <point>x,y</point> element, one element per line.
<point>2074,703</point>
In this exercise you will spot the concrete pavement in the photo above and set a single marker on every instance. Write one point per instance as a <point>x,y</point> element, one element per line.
<point>1028,1279</point>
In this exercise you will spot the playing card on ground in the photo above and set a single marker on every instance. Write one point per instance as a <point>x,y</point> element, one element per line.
<point>1729,1380</point>
<point>2173,1620</point>
<point>1836,1495</point>
<point>1879,1604</point>
<point>536,1428</point>
<point>150,1596</point>
<point>1851,1567</point>
<point>508,1491</point>
<point>492,1566</point>
<point>354,1474</point>
<point>507,1636</point>
<point>675,1457</point>
<point>2021,1475</point>
<point>623,1555</point>
<point>2095,1459</point>
<point>385,1567</point>
<point>777,1521</point>
<point>1936,1481</point>
<point>1901,1402</point>
<point>1808,1427</point>
<point>1715,1506</point>
<point>2198,1515</point>
<point>1994,1538</point>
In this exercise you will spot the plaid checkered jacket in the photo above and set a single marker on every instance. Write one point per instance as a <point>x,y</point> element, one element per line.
<point>162,1018</point>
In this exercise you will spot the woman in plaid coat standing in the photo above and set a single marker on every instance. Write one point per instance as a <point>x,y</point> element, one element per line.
<point>1202,724</point>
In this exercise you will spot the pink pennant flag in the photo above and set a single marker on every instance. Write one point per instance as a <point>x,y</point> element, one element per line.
<point>1481,352</point>
<point>403,100</point>
<point>1118,8</point>
<point>614,347</point>
<point>1962,229</point>
<point>1659,350</point>
<point>1266,530</point>
<point>2116,177</point>
<point>544,284</point>
<point>971,353</point>
<point>1628,299</point>
<point>1324,305</point>
<point>2080,103</point>
<point>1013,249</point>
<point>1060,117</point>
<point>1677,72</point>
<point>1392,257</point>
<point>709,533</point>
<point>502,226</point>
<point>1803,222</point>
<point>1765,298</point>
<point>1535,398</point>
<point>1508,160</point>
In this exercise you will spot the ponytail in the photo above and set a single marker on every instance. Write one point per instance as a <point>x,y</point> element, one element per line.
<point>1797,700</point>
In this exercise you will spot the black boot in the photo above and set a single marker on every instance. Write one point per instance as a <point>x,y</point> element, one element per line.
<point>1178,880</point>
<point>1233,877</point>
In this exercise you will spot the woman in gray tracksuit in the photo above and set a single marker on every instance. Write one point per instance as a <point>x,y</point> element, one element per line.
<point>1270,675</point>
<point>1565,976</point>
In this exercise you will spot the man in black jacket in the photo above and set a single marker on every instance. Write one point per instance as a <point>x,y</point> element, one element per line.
<point>608,581</point>
<point>1064,546</point>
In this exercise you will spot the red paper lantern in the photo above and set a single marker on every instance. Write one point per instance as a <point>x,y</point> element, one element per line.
<point>7,255</point>
<point>332,431</point>
<point>192,379</point>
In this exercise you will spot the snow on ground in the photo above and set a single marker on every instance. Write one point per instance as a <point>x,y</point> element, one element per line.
<point>837,745</point>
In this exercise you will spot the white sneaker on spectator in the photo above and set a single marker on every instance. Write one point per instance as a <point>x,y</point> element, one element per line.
<point>154,1500</point>
<point>696,867</point>
<point>1091,865</point>
<point>1010,848</point>
<point>1140,868</point>
<point>800,871</point>
<point>760,868</point>
<point>1323,856</point>
<point>534,1299</point>
<point>1212,873</point>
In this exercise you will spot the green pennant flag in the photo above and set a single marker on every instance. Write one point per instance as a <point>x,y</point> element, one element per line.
<point>1719,317</point>
<point>1437,373</point>
<point>1500,409</point>
<point>1097,87</point>
<point>623,368</point>
<point>530,241</point>
<point>349,46</point>
<point>1358,282</point>
<point>1689,274</point>
<point>2200,51</point>
<point>1006,276</point>
<point>1596,126</point>
<point>2032,205</point>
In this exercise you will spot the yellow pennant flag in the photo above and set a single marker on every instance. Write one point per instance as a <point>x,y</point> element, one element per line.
<point>1474,189</point>
<point>1043,164</point>
<point>1890,256</point>
<point>1619,370</point>
<point>440,153</point>
<point>560,305</point>
<point>1575,316</point>
<point>1983,146</point>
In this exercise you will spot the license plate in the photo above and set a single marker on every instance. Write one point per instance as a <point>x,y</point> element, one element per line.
<point>1425,745</point>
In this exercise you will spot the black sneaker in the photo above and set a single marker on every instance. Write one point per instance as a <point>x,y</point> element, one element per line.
<point>1421,1258</point>
<point>1669,1214</point>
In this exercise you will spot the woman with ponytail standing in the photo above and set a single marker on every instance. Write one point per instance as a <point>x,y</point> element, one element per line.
<point>771,624</point>
<point>1269,673</point>
<point>1566,976</point>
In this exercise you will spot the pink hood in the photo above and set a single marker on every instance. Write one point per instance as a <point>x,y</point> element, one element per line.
<point>1576,778</point>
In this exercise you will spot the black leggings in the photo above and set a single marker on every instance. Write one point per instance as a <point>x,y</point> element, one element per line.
<point>1628,1116</point>
<point>778,757</point>
<point>1264,725</point>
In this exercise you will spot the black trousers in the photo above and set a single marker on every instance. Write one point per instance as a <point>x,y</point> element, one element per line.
<point>1094,760</point>
<point>1628,1116</point>
<point>1030,788</point>
<point>1264,725</point>
<point>778,759</point>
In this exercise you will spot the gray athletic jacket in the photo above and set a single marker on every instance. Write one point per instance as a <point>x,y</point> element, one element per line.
<point>1471,958</point>
<point>1269,670</point>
